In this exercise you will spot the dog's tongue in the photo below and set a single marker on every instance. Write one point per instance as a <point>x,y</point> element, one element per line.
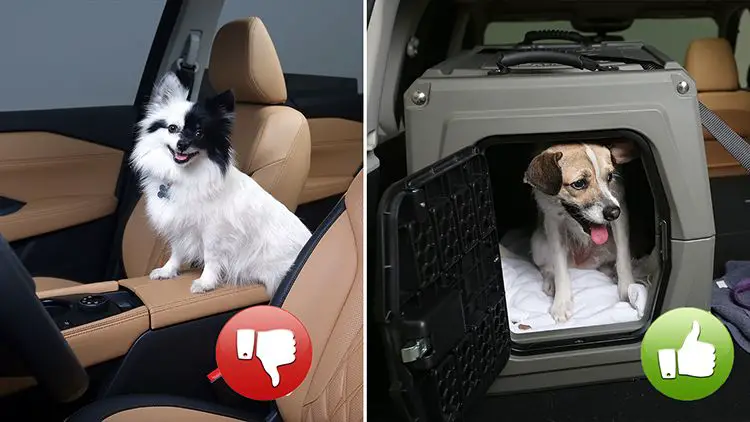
<point>180,157</point>
<point>599,234</point>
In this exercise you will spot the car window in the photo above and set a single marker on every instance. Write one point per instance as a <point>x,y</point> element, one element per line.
<point>742,49</point>
<point>303,33</point>
<point>510,32</point>
<point>671,36</point>
<point>75,53</point>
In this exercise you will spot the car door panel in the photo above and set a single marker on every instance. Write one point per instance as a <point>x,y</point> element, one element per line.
<point>61,181</point>
<point>59,177</point>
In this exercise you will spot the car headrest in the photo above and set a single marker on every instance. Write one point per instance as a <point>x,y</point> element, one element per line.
<point>244,59</point>
<point>710,62</point>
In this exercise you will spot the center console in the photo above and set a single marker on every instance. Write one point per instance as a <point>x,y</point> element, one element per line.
<point>102,321</point>
<point>88,307</point>
<point>80,309</point>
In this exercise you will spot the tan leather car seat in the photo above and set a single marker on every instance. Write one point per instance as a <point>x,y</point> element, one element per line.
<point>272,141</point>
<point>711,64</point>
<point>327,297</point>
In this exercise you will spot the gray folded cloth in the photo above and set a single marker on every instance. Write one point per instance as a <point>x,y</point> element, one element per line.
<point>736,318</point>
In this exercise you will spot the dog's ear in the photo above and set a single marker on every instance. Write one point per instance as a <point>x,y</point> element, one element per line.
<point>623,151</point>
<point>169,88</point>
<point>544,173</point>
<point>221,103</point>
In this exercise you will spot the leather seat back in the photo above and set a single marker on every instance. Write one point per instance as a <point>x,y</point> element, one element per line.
<point>271,140</point>
<point>327,297</point>
<point>711,64</point>
<point>142,249</point>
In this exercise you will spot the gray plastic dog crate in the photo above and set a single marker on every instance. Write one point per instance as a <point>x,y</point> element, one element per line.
<point>442,299</point>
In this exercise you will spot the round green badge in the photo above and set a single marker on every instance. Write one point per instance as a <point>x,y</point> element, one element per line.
<point>687,354</point>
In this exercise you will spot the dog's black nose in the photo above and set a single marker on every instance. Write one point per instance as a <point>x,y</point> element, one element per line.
<point>182,145</point>
<point>611,213</point>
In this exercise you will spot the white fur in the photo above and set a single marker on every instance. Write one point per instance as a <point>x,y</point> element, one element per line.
<point>553,241</point>
<point>239,232</point>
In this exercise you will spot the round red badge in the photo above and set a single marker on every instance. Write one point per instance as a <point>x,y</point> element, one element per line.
<point>264,353</point>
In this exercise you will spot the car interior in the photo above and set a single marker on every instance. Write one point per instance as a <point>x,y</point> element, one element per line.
<point>77,235</point>
<point>416,36</point>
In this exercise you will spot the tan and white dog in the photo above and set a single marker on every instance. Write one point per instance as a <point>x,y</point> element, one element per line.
<point>583,218</point>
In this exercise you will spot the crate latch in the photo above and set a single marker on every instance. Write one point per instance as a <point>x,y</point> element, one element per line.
<point>414,350</point>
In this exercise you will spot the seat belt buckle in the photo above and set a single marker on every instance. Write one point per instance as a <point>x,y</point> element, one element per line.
<point>181,64</point>
<point>214,376</point>
<point>222,392</point>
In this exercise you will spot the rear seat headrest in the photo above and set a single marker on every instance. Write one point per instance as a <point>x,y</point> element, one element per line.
<point>244,59</point>
<point>710,62</point>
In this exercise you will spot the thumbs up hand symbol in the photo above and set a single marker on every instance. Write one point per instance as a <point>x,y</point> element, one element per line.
<point>695,358</point>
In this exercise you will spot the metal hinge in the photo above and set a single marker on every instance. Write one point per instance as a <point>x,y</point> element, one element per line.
<point>665,241</point>
<point>414,350</point>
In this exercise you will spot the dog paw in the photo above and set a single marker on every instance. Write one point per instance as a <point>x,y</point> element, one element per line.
<point>622,289</point>
<point>548,287</point>
<point>162,273</point>
<point>202,286</point>
<point>562,309</point>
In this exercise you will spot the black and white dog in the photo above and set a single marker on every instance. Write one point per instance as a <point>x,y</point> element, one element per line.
<point>209,211</point>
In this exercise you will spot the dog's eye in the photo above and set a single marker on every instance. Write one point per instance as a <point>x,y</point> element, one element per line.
<point>579,184</point>
<point>198,133</point>
<point>172,128</point>
<point>609,177</point>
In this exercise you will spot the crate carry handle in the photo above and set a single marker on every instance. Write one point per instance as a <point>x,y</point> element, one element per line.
<point>554,34</point>
<point>505,61</point>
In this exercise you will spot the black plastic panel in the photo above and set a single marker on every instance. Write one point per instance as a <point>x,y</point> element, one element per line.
<point>171,360</point>
<point>324,96</point>
<point>110,126</point>
<point>175,360</point>
<point>442,282</point>
<point>75,310</point>
<point>313,213</point>
<point>191,351</point>
<point>77,253</point>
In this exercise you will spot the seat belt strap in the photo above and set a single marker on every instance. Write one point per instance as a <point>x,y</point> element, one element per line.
<point>186,66</point>
<point>728,138</point>
<point>274,415</point>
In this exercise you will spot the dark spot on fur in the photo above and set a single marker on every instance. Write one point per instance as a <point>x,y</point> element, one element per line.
<point>208,126</point>
<point>544,173</point>
<point>159,124</point>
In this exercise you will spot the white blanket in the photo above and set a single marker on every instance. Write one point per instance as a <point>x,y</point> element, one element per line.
<point>595,298</point>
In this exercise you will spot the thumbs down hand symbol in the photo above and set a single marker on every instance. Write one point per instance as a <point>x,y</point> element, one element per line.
<point>274,348</point>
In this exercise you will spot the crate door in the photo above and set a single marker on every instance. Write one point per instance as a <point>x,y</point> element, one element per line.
<point>441,298</point>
